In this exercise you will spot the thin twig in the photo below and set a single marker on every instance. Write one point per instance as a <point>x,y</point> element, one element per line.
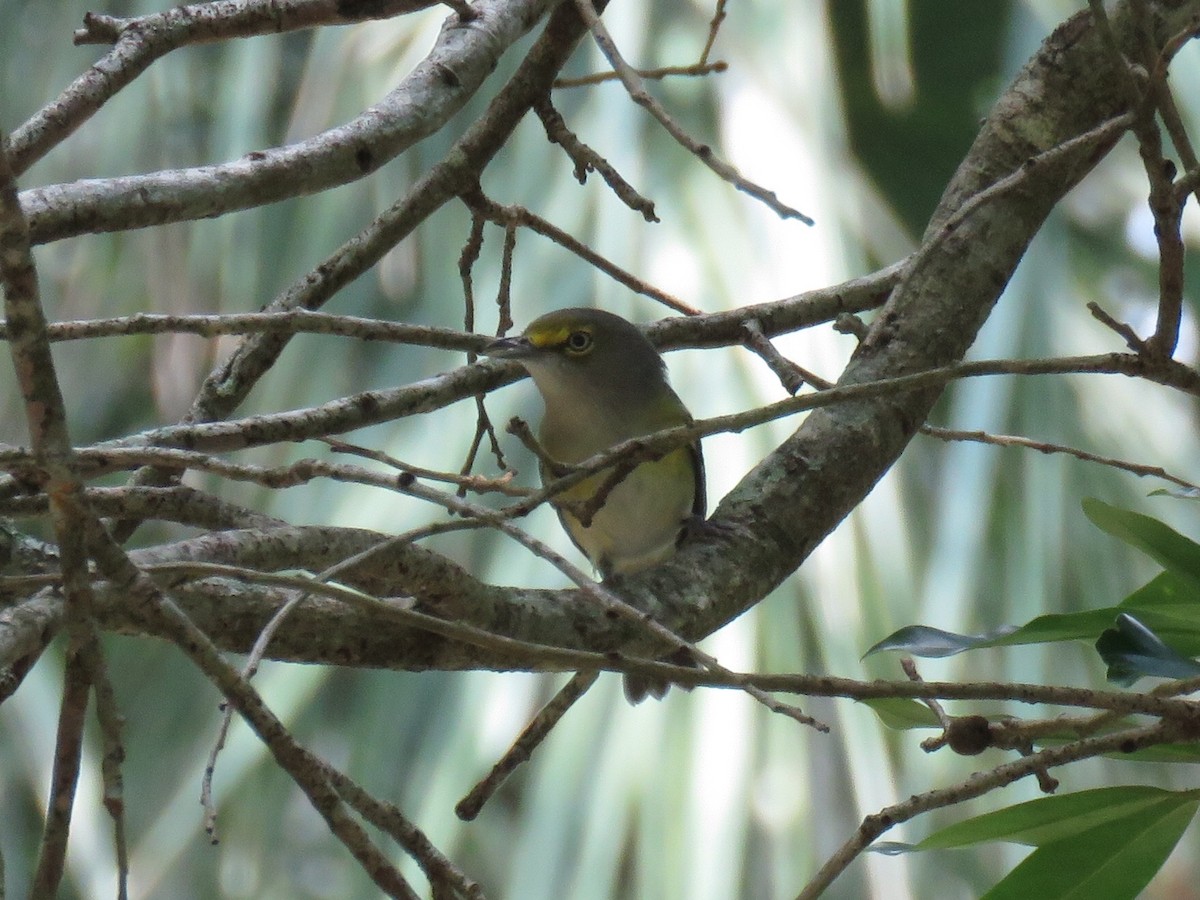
<point>63,780</point>
<point>304,769</point>
<point>695,70</point>
<point>978,784</point>
<point>1145,96</point>
<point>389,819</point>
<point>466,263</point>
<point>790,374</point>
<point>294,321</point>
<point>505,214</point>
<point>1132,341</point>
<point>1010,440</point>
<point>522,748</point>
<point>250,669</point>
<point>479,484</point>
<point>111,721</point>
<point>703,152</point>
<point>56,473</point>
<point>714,27</point>
<point>909,667</point>
<point>586,160</point>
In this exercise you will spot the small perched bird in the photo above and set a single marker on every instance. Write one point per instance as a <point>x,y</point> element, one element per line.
<point>603,383</point>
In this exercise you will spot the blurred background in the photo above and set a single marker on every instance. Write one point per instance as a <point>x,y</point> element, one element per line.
<point>857,112</point>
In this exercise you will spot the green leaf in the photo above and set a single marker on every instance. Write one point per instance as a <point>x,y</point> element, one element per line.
<point>1162,753</point>
<point>1164,544</point>
<point>1180,494</point>
<point>1159,753</point>
<point>922,640</point>
<point>1168,605</point>
<point>902,714</point>
<point>1052,819</point>
<point>1112,861</point>
<point>1132,650</point>
<point>1165,590</point>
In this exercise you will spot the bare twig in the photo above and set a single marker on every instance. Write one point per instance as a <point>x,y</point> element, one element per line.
<point>389,819</point>
<point>54,459</point>
<point>978,784</point>
<point>714,27</point>
<point>909,667</point>
<point>305,770</point>
<point>790,374</point>
<point>695,70</point>
<point>528,741</point>
<point>67,754</point>
<point>506,214</point>
<point>1146,95</point>
<point>586,160</point>
<point>466,262</point>
<point>1010,440</point>
<point>111,722</point>
<point>284,321</point>
<point>640,96</point>
<point>478,484</point>
<point>1132,341</point>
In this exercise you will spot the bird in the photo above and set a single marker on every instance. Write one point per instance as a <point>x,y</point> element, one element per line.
<point>602,382</point>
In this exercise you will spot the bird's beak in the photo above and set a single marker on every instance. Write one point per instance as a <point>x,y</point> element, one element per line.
<point>517,347</point>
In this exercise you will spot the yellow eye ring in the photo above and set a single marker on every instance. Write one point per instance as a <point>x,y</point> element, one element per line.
<point>578,342</point>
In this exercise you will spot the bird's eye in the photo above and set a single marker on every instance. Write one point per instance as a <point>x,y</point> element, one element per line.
<point>579,342</point>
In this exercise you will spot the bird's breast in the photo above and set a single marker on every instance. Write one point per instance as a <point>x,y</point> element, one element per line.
<point>639,523</point>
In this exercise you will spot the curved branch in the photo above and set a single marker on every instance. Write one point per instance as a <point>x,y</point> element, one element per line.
<point>373,407</point>
<point>465,54</point>
<point>139,42</point>
<point>780,511</point>
<point>783,508</point>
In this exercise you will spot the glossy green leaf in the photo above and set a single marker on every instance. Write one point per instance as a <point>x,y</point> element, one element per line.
<point>1178,494</point>
<point>1163,753</point>
<point>1160,753</point>
<point>1112,861</point>
<point>925,641</point>
<point>1048,820</point>
<point>902,714</point>
<point>1164,544</point>
<point>922,640</point>
<point>1168,605</point>
<point>1167,591</point>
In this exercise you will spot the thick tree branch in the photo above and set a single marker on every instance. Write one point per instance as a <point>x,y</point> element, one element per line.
<point>466,53</point>
<point>782,509</point>
<point>779,513</point>
<point>139,42</point>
